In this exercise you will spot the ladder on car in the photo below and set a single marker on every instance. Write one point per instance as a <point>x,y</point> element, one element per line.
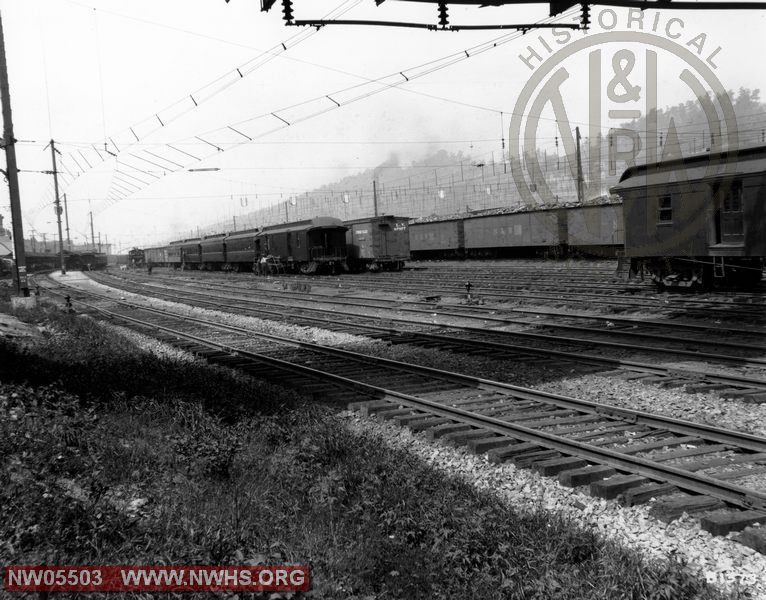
<point>719,269</point>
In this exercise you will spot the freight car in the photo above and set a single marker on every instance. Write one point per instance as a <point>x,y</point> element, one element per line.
<point>378,243</point>
<point>190,253</point>
<point>74,261</point>
<point>503,233</point>
<point>595,230</point>
<point>157,257</point>
<point>437,239</point>
<point>212,252</point>
<point>697,221</point>
<point>309,246</point>
<point>534,233</point>
<point>242,249</point>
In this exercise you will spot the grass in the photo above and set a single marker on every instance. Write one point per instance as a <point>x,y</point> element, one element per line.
<point>111,457</point>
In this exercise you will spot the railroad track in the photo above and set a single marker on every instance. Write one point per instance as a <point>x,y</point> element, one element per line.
<point>553,286</point>
<point>504,344</point>
<point>750,309</point>
<point>635,455</point>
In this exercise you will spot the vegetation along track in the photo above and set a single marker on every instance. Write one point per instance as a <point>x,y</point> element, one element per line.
<point>637,455</point>
<point>668,338</point>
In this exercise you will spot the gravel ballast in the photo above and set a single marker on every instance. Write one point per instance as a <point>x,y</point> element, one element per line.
<point>720,560</point>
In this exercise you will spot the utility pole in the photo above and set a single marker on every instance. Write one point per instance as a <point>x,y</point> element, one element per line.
<point>375,197</point>
<point>92,237</point>
<point>9,142</point>
<point>66,215</point>
<point>99,242</point>
<point>579,167</point>
<point>58,206</point>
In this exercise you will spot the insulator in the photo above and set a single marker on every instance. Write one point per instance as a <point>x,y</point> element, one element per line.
<point>287,10</point>
<point>585,19</point>
<point>443,14</point>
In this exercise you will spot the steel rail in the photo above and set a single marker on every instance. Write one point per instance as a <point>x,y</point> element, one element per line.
<point>516,349</point>
<point>345,300</point>
<point>723,436</point>
<point>700,484</point>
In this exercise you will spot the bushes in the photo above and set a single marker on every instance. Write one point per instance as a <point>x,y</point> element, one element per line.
<point>182,463</point>
<point>98,365</point>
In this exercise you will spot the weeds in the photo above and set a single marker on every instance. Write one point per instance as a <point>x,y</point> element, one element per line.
<point>188,464</point>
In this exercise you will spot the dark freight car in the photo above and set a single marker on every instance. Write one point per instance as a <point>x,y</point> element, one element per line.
<point>437,239</point>
<point>157,257</point>
<point>309,246</point>
<point>596,230</point>
<point>175,256</point>
<point>191,254</point>
<point>697,220</point>
<point>212,252</point>
<point>536,233</point>
<point>378,243</point>
<point>242,249</point>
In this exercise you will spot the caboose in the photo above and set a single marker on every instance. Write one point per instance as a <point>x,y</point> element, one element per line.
<point>697,221</point>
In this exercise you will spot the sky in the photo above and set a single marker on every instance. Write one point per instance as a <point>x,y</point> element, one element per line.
<point>135,93</point>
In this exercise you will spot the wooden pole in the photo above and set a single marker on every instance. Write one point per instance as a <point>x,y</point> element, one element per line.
<point>9,142</point>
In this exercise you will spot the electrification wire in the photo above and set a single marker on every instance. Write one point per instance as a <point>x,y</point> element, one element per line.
<point>420,71</point>
<point>163,117</point>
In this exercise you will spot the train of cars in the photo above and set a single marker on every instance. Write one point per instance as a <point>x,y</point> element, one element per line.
<point>579,230</point>
<point>326,244</point>
<point>686,222</point>
<point>322,244</point>
<point>73,261</point>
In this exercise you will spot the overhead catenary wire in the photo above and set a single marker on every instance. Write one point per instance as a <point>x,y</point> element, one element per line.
<point>209,90</point>
<point>419,71</point>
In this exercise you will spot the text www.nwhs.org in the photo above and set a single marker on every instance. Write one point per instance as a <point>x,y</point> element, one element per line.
<point>156,579</point>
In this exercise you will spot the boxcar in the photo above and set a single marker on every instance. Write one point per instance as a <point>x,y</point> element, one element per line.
<point>535,233</point>
<point>378,243</point>
<point>191,254</point>
<point>175,259</point>
<point>87,261</point>
<point>306,246</point>
<point>437,239</point>
<point>242,248</point>
<point>698,220</point>
<point>212,251</point>
<point>595,230</point>
<point>157,257</point>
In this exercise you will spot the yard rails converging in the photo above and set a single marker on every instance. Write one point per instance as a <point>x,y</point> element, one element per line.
<point>751,308</point>
<point>447,335</point>
<point>689,467</point>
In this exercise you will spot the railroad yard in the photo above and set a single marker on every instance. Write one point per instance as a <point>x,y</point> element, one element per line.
<point>411,300</point>
<point>553,387</point>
